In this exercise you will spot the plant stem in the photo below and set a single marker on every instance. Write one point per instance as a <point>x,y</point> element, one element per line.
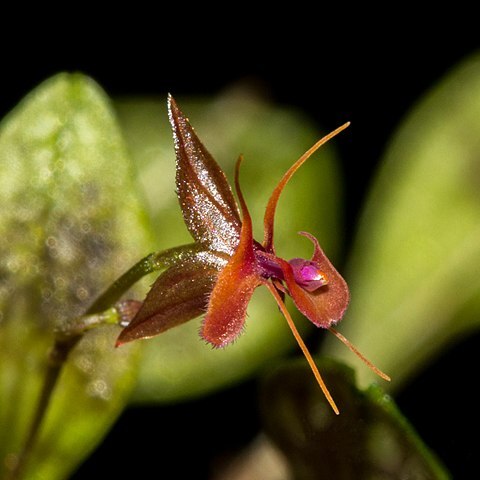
<point>150,263</point>
<point>56,360</point>
<point>122,284</point>
<point>64,344</point>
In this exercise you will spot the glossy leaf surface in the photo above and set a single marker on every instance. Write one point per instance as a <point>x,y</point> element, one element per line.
<point>206,200</point>
<point>70,223</point>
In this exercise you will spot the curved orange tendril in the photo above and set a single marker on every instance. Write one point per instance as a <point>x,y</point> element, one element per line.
<point>272,202</point>
<point>304,348</point>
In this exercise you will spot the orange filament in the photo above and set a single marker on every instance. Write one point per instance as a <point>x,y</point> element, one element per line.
<point>367,362</point>
<point>272,202</point>
<point>304,348</point>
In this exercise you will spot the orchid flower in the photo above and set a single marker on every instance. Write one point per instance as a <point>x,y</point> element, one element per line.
<point>219,272</point>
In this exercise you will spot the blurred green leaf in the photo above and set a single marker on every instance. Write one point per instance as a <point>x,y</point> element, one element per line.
<point>177,364</point>
<point>370,439</point>
<point>414,271</point>
<point>70,223</point>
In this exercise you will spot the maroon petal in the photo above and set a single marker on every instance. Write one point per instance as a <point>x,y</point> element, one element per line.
<point>179,294</point>
<point>227,308</point>
<point>206,199</point>
<point>326,305</point>
<point>228,304</point>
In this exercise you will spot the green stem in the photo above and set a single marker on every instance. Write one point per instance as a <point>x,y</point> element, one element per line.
<point>66,340</point>
<point>151,263</point>
<point>56,360</point>
<point>121,285</point>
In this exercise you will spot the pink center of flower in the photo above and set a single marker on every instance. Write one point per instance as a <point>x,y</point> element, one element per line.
<point>307,274</point>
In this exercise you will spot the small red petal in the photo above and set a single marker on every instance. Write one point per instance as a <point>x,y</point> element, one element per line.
<point>235,284</point>
<point>326,305</point>
<point>227,308</point>
<point>179,294</point>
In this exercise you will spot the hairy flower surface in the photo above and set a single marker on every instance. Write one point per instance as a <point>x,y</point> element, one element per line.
<point>219,272</point>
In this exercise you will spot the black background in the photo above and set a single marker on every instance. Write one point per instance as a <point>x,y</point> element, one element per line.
<point>335,77</point>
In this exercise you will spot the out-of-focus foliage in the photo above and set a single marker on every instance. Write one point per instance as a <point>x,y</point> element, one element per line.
<point>75,213</point>
<point>414,269</point>
<point>368,440</point>
<point>70,223</point>
<point>177,364</point>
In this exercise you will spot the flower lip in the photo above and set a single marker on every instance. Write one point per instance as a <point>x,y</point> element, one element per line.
<point>308,274</point>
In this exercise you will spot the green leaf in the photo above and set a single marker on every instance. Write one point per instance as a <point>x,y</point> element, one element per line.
<point>370,439</point>
<point>414,271</point>
<point>178,364</point>
<point>70,223</point>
